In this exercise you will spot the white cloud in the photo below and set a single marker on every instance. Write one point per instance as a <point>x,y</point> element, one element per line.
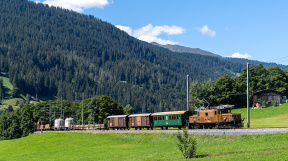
<point>125,28</point>
<point>77,5</point>
<point>206,31</point>
<point>238,55</point>
<point>150,33</point>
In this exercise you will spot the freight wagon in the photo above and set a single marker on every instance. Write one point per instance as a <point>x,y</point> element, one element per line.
<point>118,122</point>
<point>139,121</point>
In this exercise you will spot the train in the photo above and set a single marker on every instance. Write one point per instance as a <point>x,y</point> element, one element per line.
<point>203,118</point>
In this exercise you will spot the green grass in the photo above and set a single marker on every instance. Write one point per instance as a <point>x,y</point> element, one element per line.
<point>6,83</point>
<point>144,146</point>
<point>266,117</point>
<point>8,92</point>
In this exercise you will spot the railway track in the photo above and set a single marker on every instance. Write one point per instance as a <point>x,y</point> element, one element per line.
<point>240,131</point>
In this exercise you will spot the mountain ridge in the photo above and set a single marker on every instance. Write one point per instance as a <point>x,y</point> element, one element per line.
<point>179,49</point>
<point>183,49</point>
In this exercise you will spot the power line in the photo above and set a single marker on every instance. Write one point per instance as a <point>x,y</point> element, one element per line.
<point>277,59</point>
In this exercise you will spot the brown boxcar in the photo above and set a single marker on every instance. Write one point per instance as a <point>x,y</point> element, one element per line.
<point>219,118</point>
<point>118,122</point>
<point>41,125</point>
<point>48,127</point>
<point>139,121</point>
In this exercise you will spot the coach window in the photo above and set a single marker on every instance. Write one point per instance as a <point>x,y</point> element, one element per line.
<point>198,114</point>
<point>169,117</point>
<point>215,112</point>
<point>206,114</point>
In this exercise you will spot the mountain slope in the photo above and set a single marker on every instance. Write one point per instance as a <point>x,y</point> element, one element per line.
<point>255,62</point>
<point>183,49</point>
<point>54,52</point>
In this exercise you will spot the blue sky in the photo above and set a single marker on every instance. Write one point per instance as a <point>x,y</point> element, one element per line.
<point>256,30</point>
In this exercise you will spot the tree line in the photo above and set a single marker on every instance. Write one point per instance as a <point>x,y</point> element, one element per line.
<point>232,90</point>
<point>21,122</point>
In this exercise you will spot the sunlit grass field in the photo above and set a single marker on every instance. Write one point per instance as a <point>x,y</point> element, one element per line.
<point>266,117</point>
<point>142,146</point>
<point>8,92</point>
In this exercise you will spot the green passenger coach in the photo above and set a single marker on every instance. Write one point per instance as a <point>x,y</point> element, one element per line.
<point>171,119</point>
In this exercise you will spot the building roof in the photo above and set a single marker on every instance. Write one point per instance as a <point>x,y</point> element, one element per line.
<point>113,116</point>
<point>135,115</point>
<point>168,113</point>
<point>265,90</point>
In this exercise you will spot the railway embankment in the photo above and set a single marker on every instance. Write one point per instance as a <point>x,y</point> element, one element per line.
<point>241,131</point>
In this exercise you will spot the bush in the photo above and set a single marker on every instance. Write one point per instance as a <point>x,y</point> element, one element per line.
<point>186,145</point>
<point>265,103</point>
<point>275,103</point>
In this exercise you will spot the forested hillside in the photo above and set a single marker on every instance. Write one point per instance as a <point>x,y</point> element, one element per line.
<point>54,52</point>
<point>255,62</point>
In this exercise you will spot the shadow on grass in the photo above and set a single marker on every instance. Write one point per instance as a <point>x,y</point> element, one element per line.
<point>201,156</point>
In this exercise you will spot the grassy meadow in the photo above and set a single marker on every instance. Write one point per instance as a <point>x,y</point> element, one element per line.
<point>266,117</point>
<point>142,146</point>
<point>8,92</point>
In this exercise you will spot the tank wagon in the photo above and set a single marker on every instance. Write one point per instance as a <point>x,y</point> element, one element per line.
<point>69,123</point>
<point>118,122</point>
<point>215,118</point>
<point>59,124</point>
<point>139,121</point>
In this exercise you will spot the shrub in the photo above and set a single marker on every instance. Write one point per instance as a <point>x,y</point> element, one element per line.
<point>275,103</point>
<point>186,145</point>
<point>265,103</point>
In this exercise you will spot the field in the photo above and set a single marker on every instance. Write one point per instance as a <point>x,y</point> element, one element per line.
<point>144,146</point>
<point>266,117</point>
<point>8,92</point>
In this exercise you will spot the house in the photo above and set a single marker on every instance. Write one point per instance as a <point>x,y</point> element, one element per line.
<point>267,95</point>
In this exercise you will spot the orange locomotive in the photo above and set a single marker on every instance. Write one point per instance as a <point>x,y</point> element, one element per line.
<point>218,117</point>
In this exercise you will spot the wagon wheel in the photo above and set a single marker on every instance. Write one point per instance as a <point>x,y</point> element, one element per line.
<point>179,127</point>
<point>147,128</point>
<point>161,127</point>
<point>166,128</point>
<point>135,128</point>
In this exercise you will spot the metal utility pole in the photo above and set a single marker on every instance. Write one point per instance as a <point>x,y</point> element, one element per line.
<point>50,113</point>
<point>62,114</point>
<point>248,110</point>
<point>187,92</point>
<point>83,109</point>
